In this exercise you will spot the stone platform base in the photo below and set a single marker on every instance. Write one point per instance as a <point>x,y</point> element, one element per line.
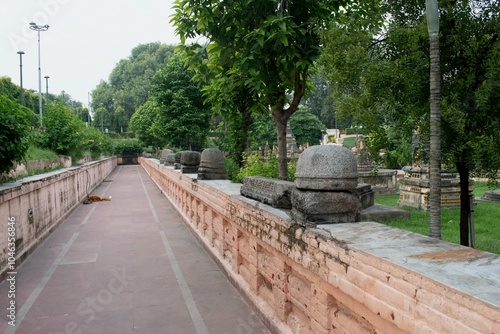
<point>379,213</point>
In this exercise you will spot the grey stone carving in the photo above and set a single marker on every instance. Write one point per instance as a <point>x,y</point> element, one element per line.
<point>212,165</point>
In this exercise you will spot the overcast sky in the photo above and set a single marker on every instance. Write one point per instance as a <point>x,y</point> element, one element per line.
<point>85,40</point>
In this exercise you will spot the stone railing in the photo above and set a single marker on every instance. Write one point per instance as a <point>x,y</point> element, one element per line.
<point>336,278</point>
<point>38,203</point>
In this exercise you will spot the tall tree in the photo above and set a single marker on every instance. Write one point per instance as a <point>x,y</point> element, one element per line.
<point>270,43</point>
<point>183,118</point>
<point>381,68</point>
<point>14,131</point>
<point>435,120</point>
<point>129,83</point>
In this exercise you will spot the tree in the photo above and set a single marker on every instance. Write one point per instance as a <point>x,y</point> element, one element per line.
<point>381,70</point>
<point>306,127</point>
<point>183,119</point>
<point>435,120</point>
<point>64,131</point>
<point>320,100</point>
<point>129,84</point>
<point>142,124</point>
<point>271,44</point>
<point>14,132</point>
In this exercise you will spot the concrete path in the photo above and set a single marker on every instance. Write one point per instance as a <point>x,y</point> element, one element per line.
<point>129,265</point>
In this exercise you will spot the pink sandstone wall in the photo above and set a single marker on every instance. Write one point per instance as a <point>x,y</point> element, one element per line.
<point>40,202</point>
<point>343,278</point>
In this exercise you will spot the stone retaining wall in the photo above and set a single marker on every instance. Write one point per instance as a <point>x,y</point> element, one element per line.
<point>337,278</point>
<point>38,203</point>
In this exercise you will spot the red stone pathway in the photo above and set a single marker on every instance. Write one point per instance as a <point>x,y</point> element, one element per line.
<point>126,266</point>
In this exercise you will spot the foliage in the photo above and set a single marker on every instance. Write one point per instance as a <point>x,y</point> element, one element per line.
<point>97,143</point>
<point>256,165</point>
<point>232,168</point>
<point>262,132</point>
<point>322,105</point>
<point>12,92</point>
<point>14,132</point>
<point>127,147</point>
<point>263,48</point>
<point>306,127</point>
<point>128,86</point>
<point>377,59</point>
<point>182,119</point>
<point>64,131</point>
<point>142,124</point>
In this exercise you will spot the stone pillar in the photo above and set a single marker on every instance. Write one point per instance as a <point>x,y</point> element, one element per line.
<point>212,165</point>
<point>190,161</point>
<point>163,155</point>
<point>170,159</point>
<point>325,186</point>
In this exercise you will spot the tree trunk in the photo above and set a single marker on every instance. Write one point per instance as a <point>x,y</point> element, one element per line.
<point>280,122</point>
<point>435,139</point>
<point>463,172</point>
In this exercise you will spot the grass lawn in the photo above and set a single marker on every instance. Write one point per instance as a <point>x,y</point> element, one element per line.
<point>486,221</point>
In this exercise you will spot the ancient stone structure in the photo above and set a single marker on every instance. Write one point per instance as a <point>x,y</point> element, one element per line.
<point>274,192</point>
<point>415,188</point>
<point>170,159</point>
<point>190,161</point>
<point>177,160</point>
<point>491,195</point>
<point>383,181</point>
<point>326,180</point>
<point>336,278</point>
<point>212,165</point>
<point>364,161</point>
<point>164,154</point>
<point>291,144</point>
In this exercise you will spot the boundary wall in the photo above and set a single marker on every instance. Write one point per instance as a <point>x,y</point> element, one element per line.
<point>39,203</point>
<point>341,278</point>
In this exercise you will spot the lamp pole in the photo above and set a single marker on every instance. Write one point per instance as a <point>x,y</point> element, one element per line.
<point>21,93</point>
<point>47,86</point>
<point>38,28</point>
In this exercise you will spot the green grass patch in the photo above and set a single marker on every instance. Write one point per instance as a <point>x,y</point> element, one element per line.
<point>349,142</point>
<point>486,221</point>
<point>35,153</point>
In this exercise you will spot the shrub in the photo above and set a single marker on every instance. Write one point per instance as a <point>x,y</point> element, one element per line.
<point>254,165</point>
<point>97,143</point>
<point>127,147</point>
<point>14,132</point>
<point>64,132</point>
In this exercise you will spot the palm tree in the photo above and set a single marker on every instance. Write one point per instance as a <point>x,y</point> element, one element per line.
<point>435,120</point>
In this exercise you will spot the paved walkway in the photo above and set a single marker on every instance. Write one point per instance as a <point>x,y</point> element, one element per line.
<point>129,265</point>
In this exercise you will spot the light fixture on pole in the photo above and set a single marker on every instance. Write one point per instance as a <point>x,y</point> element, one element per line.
<point>38,28</point>
<point>47,86</point>
<point>21,92</point>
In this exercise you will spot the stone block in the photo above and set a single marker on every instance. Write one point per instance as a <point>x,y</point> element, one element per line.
<point>274,192</point>
<point>170,159</point>
<point>212,165</point>
<point>326,167</point>
<point>324,207</point>
<point>163,155</point>
<point>366,195</point>
<point>190,158</point>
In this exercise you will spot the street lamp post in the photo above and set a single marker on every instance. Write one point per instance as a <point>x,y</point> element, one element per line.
<point>47,86</point>
<point>38,28</point>
<point>21,93</point>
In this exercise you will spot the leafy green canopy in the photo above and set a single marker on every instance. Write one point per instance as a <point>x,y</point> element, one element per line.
<point>128,86</point>
<point>175,113</point>
<point>14,132</point>
<point>263,47</point>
